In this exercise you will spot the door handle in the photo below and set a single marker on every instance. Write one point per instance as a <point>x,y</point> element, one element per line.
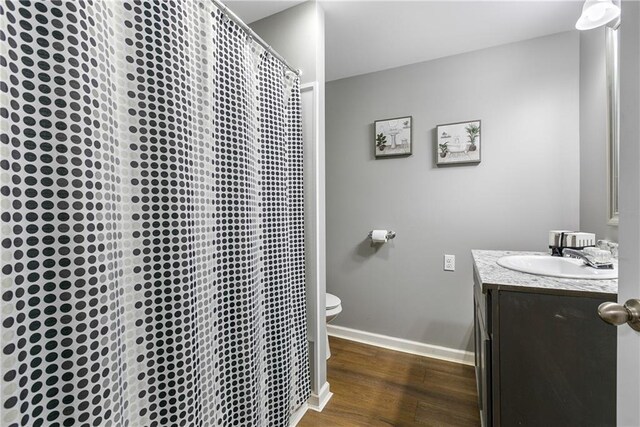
<point>617,314</point>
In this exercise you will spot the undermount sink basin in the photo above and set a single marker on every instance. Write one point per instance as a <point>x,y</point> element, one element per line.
<point>568,268</point>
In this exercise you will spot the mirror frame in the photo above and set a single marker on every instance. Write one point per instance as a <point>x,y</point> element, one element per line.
<point>613,118</point>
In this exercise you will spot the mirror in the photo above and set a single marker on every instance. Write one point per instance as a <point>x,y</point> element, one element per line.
<point>613,118</point>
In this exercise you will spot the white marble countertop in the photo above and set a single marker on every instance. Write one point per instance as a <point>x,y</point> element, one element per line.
<point>493,276</point>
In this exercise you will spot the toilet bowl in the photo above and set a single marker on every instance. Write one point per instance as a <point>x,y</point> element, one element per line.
<point>334,307</point>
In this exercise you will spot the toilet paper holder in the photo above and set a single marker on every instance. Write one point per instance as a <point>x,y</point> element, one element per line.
<point>390,234</point>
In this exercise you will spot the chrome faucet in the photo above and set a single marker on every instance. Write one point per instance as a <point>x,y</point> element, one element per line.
<point>572,253</point>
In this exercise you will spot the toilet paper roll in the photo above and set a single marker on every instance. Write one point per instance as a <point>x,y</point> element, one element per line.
<point>379,236</point>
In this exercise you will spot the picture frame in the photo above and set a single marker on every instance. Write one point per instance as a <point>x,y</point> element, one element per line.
<point>459,143</point>
<point>393,137</point>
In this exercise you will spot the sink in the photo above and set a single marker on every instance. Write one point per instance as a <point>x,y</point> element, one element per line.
<point>568,268</point>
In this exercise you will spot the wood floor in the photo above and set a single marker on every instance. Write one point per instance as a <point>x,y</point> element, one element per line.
<point>373,387</point>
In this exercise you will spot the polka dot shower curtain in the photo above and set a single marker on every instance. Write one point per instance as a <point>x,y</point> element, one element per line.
<point>152,219</point>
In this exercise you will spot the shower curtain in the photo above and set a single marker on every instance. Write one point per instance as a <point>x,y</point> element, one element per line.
<point>152,219</point>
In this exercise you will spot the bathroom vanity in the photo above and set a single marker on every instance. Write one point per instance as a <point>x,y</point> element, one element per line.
<point>543,356</point>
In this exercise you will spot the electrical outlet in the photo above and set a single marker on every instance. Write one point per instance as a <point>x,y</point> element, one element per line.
<point>449,262</point>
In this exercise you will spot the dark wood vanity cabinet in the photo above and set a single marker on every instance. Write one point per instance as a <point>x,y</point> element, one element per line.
<point>543,359</point>
<point>482,356</point>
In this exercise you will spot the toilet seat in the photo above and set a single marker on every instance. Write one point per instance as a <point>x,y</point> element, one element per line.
<point>332,301</point>
<point>331,312</point>
<point>334,307</point>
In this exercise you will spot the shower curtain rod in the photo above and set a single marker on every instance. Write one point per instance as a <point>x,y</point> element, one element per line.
<point>228,12</point>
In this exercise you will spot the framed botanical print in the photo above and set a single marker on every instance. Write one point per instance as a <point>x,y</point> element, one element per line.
<point>458,143</point>
<point>393,137</point>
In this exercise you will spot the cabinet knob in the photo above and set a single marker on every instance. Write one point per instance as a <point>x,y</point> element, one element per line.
<point>617,314</point>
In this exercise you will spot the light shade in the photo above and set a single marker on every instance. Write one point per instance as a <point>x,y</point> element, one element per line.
<point>596,13</point>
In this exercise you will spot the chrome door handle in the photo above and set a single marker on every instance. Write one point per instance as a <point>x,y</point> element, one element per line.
<point>617,314</point>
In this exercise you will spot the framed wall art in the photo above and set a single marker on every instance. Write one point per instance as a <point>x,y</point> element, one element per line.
<point>393,137</point>
<point>458,143</point>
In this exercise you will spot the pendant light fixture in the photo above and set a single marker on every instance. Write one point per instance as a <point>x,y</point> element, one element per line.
<point>596,13</point>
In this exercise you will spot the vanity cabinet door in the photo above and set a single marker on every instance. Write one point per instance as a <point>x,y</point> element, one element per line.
<point>482,362</point>
<point>557,361</point>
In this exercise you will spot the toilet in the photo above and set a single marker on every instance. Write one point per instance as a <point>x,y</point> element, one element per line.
<point>334,307</point>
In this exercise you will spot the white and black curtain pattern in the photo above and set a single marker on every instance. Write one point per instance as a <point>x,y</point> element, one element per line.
<point>152,219</point>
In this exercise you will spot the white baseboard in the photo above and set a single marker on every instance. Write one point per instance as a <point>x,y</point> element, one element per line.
<point>317,402</point>
<point>297,415</point>
<point>400,344</point>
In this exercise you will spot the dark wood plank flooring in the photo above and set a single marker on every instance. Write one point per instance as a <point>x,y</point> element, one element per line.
<point>374,387</point>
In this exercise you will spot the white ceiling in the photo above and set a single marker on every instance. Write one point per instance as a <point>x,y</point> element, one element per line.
<point>253,10</point>
<point>367,36</point>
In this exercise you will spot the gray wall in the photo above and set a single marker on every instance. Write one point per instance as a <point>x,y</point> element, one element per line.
<point>293,33</point>
<point>594,196</point>
<point>527,96</point>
